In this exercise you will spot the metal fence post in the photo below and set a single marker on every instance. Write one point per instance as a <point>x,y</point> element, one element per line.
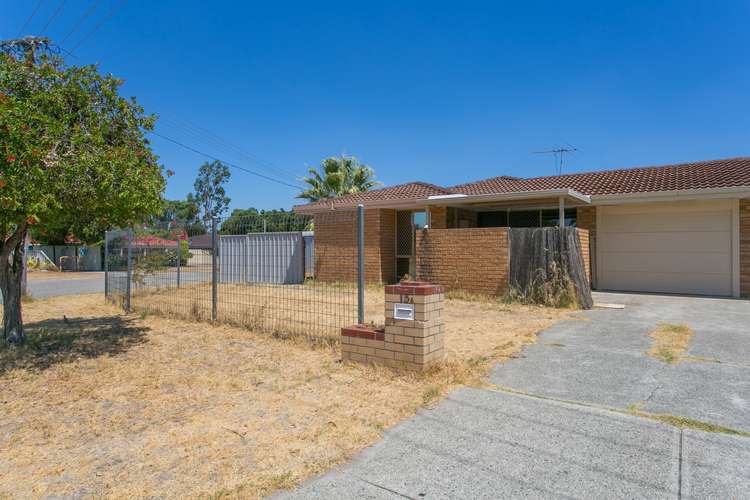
<point>361,264</point>
<point>106,264</point>
<point>214,280</point>
<point>179,259</point>
<point>130,270</point>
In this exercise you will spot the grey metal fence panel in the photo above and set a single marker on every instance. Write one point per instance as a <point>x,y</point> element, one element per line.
<point>90,258</point>
<point>309,239</point>
<point>262,258</point>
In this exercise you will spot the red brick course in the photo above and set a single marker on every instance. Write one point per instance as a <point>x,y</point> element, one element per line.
<point>414,288</point>
<point>363,332</point>
<point>472,259</point>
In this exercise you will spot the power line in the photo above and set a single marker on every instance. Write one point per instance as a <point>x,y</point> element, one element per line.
<point>227,163</point>
<point>215,140</point>
<point>201,139</point>
<point>108,16</point>
<point>53,16</point>
<point>33,13</point>
<point>81,19</point>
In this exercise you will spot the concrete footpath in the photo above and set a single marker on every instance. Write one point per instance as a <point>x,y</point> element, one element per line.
<point>485,444</point>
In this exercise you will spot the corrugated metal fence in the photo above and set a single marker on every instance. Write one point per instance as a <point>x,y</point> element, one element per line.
<point>277,258</point>
<point>72,257</point>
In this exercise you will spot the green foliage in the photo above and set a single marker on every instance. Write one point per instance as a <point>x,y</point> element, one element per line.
<point>184,252</point>
<point>74,158</point>
<point>209,190</point>
<point>252,220</point>
<point>337,177</point>
<point>74,155</point>
<point>185,213</point>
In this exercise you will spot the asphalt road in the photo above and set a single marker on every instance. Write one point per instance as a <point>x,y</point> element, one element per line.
<point>65,286</point>
<point>556,424</point>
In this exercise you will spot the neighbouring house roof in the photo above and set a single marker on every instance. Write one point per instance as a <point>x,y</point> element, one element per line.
<point>201,241</point>
<point>153,241</point>
<point>701,175</point>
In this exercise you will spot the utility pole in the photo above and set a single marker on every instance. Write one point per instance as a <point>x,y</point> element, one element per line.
<point>559,154</point>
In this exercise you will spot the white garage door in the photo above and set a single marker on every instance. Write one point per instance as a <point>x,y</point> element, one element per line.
<point>666,247</point>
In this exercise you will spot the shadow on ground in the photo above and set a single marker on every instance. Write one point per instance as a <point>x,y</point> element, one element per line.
<point>54,341</point>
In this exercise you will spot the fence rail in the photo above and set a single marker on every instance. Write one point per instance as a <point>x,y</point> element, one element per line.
<point>253,271</point>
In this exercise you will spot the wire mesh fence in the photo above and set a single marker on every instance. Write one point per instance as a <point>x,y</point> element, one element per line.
<point>255,271</point>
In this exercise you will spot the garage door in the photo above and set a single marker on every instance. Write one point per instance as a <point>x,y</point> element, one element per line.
<point>666,247</point>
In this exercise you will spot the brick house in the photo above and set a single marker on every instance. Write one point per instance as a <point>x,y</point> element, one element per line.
<point>681,228</point>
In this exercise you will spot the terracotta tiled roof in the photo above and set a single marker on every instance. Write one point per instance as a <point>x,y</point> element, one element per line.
<point>400,192</point>
<point>731,172</point>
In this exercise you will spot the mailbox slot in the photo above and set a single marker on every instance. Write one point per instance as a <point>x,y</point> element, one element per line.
<point>403,311</point>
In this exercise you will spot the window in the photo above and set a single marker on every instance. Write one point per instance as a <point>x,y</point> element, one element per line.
<point>492,219</point>
<point>420,220</point>
<point>524,218</point>
<point>550,217</point>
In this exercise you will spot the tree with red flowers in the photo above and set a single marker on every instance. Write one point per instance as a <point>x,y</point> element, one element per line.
<point>73,153</point>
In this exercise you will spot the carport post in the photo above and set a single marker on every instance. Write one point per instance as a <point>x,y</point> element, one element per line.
<point>360,264</point>
<point>561,214</point>
<point>214,278</point>
<point>130,270</point>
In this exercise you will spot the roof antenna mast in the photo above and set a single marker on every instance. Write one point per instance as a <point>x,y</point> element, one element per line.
<point>559,155</point>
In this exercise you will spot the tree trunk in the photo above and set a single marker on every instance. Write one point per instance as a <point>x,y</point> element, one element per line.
<point>12,263</point>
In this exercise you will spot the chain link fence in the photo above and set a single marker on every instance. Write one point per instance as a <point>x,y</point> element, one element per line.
<point>255,271</point>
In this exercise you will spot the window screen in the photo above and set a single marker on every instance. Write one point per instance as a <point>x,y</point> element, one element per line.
<point>492,219</point>
<point>524,218</point>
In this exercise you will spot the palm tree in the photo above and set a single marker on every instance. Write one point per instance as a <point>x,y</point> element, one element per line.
<point>338,176</point>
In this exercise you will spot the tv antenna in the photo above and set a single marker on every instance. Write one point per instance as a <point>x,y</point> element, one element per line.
<point>559,155</point>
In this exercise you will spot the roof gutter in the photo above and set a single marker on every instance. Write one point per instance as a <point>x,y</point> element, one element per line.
<point>322,208</point>
<point>676,195</point>
<point>515,196</point>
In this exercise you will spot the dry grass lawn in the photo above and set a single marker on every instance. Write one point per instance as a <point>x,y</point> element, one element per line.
<point>67,275</point>
<point>105,404</point>
<point>670,342</point>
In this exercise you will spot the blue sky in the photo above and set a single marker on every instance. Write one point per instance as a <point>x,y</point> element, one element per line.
<point>443,92</point>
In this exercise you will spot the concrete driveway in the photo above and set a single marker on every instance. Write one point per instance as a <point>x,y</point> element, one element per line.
<point>557,426</point>
<point>601,359</point>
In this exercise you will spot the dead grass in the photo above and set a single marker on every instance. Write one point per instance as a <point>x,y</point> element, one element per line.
<point>66,275</point>
<point>685,422</point>
<point>105,404</point>
<point>670,342</point>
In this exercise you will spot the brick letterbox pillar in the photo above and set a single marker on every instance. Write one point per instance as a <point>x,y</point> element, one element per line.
<point>413,334</point>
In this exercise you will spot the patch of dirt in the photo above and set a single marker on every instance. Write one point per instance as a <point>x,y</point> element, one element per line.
<point>670,342</point>
<point>100,403</point>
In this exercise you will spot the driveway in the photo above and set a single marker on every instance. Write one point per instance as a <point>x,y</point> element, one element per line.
<point>601,359</point>
<point>556,423</point>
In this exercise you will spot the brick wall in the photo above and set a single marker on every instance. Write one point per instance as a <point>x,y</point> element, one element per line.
<point>745,248</point>
<point>472,259</point>
<point>336,245</point>
<point>583,236</point>
<point>586,219</point>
